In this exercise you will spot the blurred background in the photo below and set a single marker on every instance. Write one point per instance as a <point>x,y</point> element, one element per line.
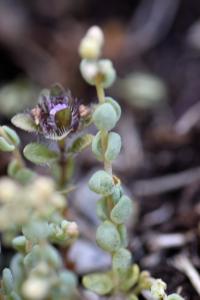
<point>155,47</point>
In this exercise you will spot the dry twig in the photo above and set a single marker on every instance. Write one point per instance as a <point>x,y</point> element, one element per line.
<point>183,264</point>
<point>166,183</point>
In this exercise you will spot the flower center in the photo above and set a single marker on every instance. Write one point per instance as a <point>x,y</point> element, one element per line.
<point>61,115</point>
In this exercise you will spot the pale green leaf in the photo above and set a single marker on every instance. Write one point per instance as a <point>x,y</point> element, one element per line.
<point>98,283</point>
<point>5,146</point>
<point>24,122</point>
<point>81,143</point>
<point>39,154</point>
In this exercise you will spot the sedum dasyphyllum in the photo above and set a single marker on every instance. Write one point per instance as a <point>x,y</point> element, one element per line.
<point>114,207</point>
<point>33,214</point>
<point>37,204</point>
<point>31,217</point>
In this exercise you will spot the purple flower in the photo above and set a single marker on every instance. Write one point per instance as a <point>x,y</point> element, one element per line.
<point>57,114</point>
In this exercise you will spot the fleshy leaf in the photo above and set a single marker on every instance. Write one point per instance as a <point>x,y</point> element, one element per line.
<point>24,122</point>
<point>113,146</point>
<point>5,146</point>
<point>97,146</point>
<point>7,281</point>
<point>19,243</point>
<point>12,135</point>
<point>131,279</point>
<point>98,283</point>
<point>39,154</point>
<point>36,231</point>
<point>21,174</point>
<point>108,237</point>
<point>123,235</point>
<point>122,210</point>
<point>101,183</point>
<point>101,209</point>
<point>14,296</point>
<point>121,260</point>
<point>81,143</point>
<point>24,175</point>
<point>13,167</point>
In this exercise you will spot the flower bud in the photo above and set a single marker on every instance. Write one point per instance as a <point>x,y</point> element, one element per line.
<point>113,146</point>
<point>101,183</point>
<point>107,237</point>
<point>72,229</point>
<point>121,260</point>
<point>96,33</point>
<point>122,210</point>
<point>158,289</point>
<point>89,48</point>
<point>105,117</point>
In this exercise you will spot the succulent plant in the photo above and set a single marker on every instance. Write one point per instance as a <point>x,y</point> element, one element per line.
<point>34,210</point>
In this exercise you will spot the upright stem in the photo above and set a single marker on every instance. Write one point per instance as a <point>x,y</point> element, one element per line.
<point>18,157</point>
<point>107,165</point>
<point>62,163</point>
<point>100,92</point>
<point>104,133</point>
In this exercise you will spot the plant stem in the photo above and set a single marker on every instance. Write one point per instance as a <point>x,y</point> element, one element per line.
<point>107,167</point>
<point>104,133</point>
<point>18,157</point>
<point>100,92</point>
<point>62,163</point>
